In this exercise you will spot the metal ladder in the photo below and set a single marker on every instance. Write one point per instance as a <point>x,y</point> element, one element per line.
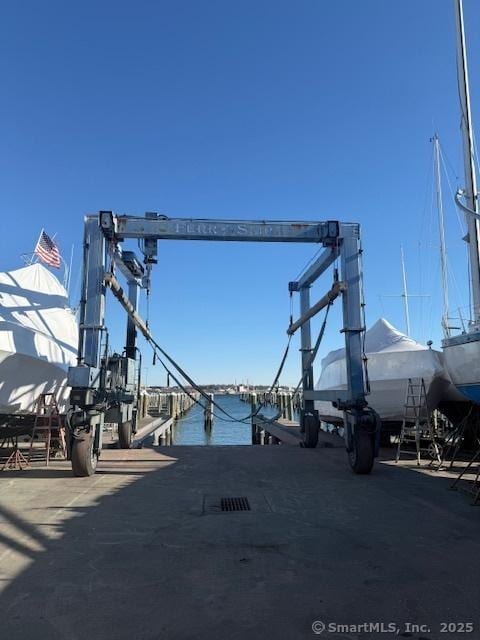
<point>48,427</point>
<point>417,424</point>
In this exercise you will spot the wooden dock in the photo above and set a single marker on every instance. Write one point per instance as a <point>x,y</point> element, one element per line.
<point>287,432</point>
<point>156,428</point>
<point>158,412</point>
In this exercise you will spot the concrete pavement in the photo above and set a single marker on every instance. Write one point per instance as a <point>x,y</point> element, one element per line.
<point>136,553</point>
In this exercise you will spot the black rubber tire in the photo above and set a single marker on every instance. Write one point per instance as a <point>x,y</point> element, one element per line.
<point>312,427</point>
<point>125,434</point>
<point>432,451</point>
<point>362,457</point>
<point>84,460</point>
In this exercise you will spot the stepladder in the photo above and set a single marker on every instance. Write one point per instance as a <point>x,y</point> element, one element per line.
<point>417,435</point>
<point>48,428</point>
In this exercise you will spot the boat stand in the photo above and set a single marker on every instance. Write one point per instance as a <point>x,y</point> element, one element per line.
<point>466,485</point>
<point>16,461</point>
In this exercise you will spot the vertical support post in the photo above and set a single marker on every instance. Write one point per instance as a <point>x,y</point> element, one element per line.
<point>130,344</point>
<point>93,294</point>
<point>306,349</point>
<point>208,414</point>
<point>254,431</point>
<point>353,313</point>
<point>261,436</point>
<point>352,300</point>
<point>92,317</point>
<point>289,406</point>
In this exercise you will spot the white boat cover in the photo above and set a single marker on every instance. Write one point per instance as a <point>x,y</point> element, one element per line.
<point>393,358</point>
<point>38,338</point>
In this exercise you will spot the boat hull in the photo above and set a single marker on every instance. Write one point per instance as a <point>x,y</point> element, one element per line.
<point>24,378</point>
<point>389,373</point>
<point>462,360</point>
<point>387,398</point>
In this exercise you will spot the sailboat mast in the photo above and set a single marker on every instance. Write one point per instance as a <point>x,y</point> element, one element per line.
<point>441,231</point>
<point>405,293</point>
<point>468,161</point>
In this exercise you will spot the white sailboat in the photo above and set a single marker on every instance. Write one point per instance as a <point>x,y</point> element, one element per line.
<point>462,352</point>
<point>38,339</point>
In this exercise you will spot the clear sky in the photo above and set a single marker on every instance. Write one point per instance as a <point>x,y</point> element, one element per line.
<point>237,109</point>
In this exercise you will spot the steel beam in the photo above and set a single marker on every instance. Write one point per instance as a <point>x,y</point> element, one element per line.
<point>306,349</point>
<point>351,274</point>
<point>329,297</point>
<point>325,259</point>
<point>328,395</point>
<point>93,294</point>
<point>121,227</point>
<point>123,268</point>
<point>130,345</point>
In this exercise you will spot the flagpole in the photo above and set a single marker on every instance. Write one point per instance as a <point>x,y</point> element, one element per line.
<point>70,273</point>
<point>65,273</point>
<point>34,254</point>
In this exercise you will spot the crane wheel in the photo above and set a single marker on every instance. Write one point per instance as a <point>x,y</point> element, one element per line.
<point>125,434</point>
<point>84,458</point>
<point>363,454</point>
<point>312,427</point>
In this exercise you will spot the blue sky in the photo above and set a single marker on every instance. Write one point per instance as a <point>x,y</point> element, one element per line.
<point>254,109</point>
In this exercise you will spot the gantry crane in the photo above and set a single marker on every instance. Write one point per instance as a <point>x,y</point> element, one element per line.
<point>105,388</point>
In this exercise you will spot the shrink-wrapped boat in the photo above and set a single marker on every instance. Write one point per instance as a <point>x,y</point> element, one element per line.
<point>38,339</point>
<point>392,358</point>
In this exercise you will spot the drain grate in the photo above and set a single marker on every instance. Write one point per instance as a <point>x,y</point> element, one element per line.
<point>234,504</point>
<point>231,504</point>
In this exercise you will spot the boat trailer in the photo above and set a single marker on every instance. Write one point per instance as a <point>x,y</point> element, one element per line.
<point>106,388</point>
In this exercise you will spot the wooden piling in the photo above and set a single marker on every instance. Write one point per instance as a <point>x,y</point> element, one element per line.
<point>208,414</point>
<point>254,432</point>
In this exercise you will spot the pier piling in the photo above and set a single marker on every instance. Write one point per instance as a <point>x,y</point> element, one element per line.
<point>208,414</point>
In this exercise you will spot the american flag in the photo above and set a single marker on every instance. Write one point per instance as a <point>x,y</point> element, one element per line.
<point>47,251</point>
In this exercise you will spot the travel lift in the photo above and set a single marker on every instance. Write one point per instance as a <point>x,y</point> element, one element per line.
<point>106,388</point>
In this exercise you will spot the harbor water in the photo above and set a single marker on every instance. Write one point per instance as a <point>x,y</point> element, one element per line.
<point>189,430</point>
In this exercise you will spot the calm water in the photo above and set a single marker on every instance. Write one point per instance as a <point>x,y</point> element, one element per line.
<point>189,430</point>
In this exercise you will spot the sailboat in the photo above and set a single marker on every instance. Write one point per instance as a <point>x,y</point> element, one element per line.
<point>38,339</point>
<point>462,352</point>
